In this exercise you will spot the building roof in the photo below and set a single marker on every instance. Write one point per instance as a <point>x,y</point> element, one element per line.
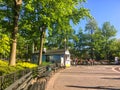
<point>51,52</point>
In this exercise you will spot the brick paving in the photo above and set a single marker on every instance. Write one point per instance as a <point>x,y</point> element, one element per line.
<point>86,78</point>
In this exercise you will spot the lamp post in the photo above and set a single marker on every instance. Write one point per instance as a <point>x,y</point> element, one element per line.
<point>64,52</point>
<point>65,43</point>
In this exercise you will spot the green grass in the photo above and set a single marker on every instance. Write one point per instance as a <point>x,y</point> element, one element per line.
<point>46,63</point>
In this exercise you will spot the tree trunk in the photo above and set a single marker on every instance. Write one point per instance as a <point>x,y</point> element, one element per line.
<point>42,36</point>
<point>17,4</point>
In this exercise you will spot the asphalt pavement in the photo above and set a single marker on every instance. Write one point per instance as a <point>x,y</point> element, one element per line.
<point>97,77</point>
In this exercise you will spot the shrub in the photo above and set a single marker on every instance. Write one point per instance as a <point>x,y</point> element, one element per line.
<point>5,69</point>
<point>26,65</point>
<point>3,63</point>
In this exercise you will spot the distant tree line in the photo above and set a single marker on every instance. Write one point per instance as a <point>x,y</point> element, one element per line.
<point>97,42</point>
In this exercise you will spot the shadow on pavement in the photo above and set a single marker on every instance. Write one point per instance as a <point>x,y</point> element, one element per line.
<point>111,78</point>
<point>90,73</point>
<point>96,87</point>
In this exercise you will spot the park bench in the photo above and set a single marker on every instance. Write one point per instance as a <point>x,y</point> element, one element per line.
<point>44,72</point>
<point>55,69</point>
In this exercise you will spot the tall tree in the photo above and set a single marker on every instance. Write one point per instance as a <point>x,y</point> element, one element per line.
<point>57,38</point>
<point>38,16</point>
<point>16,10</point>
<point>91,27</point>
<point>79,44</point>
<point>49,14</point>
<point>10,10</point>
<point>108,32</point>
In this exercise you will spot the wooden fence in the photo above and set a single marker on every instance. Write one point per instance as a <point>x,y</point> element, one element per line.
<point>28,78</point>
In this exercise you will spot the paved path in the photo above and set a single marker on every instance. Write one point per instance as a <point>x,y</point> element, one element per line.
<point>86,78</point>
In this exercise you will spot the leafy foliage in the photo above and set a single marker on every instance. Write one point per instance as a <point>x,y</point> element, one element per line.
<point>55,16</point>
<point>97,43</point>
<point>4,45</point>
<point>5,69</point>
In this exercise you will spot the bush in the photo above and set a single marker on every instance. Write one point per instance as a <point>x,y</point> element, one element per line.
<point>5,69</point>
<point>3,63</point>
<point>26,65</point>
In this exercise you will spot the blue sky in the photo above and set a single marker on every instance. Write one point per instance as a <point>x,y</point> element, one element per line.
<point>102,11</point>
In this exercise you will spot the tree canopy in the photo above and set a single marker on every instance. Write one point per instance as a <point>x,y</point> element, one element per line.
<point>99,43</point>
<point>32,18</point>
<point>47,23</point>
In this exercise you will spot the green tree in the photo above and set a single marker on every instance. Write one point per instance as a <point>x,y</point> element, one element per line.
<point>80,49</point>
<point>37,16</point>
<point>108,32</point>
<point>91,27</point>
<point>5,25</point>
<point>58,37</point>
<point>115,48</point>
<point>98,43</point>
<point>16,12</point>
<point>49,14</point>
